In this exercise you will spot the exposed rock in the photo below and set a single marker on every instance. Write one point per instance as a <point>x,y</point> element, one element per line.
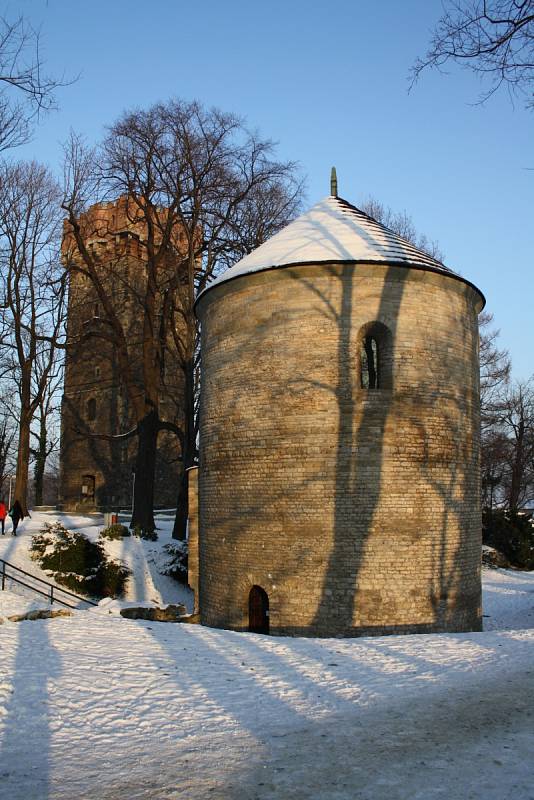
<point>192,619</point>
<point>492,558</point>
<point>171,613</point>
<point>40,613</point>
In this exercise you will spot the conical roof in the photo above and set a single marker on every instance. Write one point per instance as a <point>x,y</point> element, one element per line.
<point>333,230</point>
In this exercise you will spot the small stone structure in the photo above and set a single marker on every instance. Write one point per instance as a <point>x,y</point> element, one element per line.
<point>339,451</point>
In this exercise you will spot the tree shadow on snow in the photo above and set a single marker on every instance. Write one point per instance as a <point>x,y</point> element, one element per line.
<point>26,751</point>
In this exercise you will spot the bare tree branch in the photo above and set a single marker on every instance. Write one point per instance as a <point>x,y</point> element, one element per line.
<point>27,90</point>
<point>402,224</point>
<point>492,38</point>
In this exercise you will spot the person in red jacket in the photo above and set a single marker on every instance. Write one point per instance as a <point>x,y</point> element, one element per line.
<point>3,514</point>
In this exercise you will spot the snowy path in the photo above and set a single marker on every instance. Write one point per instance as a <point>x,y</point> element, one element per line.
<point>98,706</point>
<point>507,599</point>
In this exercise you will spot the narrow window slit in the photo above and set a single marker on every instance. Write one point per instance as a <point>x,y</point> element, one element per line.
<point>91,409</point>
<point>369,363</point>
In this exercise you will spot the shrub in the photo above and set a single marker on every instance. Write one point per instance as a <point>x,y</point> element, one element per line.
<point>45,539</point>
<point>510,534</point>
<point>176,561</point>
<point>78,563</point>
<point>112,578</point>
<point>152,536</point>
<point>116,531</point>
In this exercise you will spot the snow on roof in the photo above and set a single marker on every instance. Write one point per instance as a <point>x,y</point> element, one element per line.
<point>332,230</point>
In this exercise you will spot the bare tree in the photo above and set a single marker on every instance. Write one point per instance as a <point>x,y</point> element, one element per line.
<point>494,450</point>
<point>508,449</point>
<point>402,224</point>
<point>45,431</point>
<point>33,292</point>
<point>495,366</point>
<point>7,436</point>
<point>197,182</point>
<point>493,38</point>
<point>27,88</point>
<point>517,424</point>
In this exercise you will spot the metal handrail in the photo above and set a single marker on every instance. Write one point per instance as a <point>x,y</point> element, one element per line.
<point>38,591</point>
<point>52,587</point>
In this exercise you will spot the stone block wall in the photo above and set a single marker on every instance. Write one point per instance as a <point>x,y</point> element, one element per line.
<point>356,510</point>
<point>192,535</point>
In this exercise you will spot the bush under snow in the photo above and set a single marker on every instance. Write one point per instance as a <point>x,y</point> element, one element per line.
<point>78,563</point>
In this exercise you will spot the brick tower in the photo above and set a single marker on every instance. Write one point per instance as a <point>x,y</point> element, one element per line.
<point>98,473</point>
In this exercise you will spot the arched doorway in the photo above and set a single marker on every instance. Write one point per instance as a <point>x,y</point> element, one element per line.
<point>258,610</point>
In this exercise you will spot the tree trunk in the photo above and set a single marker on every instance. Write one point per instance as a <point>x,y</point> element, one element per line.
<point>517,479</point>
<point>23,453</point>
<point>40,462</point>
<point>145,467</point>
<point>38,474</point>
<point>179,530</point>
<point>5,446</point>
<point>518,475</point>
<point>23,457</point>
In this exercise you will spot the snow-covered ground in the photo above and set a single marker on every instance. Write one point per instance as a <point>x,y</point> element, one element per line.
<point>508,599</point>
<point>144,558</point>
<point>12,603</point>
<point>97,706</point>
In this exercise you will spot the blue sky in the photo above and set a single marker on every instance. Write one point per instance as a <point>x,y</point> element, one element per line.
<point>328,81</point>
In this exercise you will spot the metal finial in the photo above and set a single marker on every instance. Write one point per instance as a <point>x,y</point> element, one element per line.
<point>333,182</point>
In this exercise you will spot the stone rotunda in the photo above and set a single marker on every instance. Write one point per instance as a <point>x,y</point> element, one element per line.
<point>339,466</point>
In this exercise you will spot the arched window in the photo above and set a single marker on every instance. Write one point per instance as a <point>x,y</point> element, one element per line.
<point>91,409</point>
<point>369,363</point>
<point>258,610</point>
<point>375,356</point>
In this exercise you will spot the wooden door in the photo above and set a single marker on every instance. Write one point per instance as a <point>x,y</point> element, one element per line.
<point>258,610</point>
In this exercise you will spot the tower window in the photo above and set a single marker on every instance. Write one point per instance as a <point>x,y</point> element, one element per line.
<point>375,356</point>
<point>91,409</point>
<point>369,363</point>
